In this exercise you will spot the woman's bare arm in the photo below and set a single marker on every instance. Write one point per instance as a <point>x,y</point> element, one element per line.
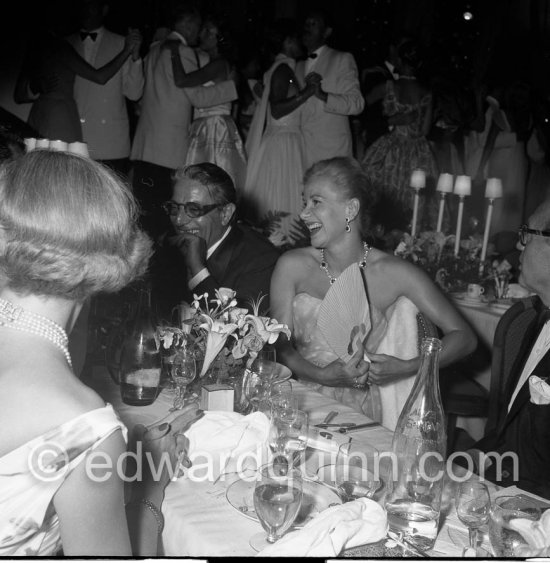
<point>279,101</point>
<point>214,71</point>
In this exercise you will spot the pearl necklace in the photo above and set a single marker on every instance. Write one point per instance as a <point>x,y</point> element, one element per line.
<point>324,264</point>
<point>13,316</point>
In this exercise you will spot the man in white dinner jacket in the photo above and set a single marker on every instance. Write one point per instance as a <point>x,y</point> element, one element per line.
<point>162,135</point>
<point>102,108</point>
<point>325,116</point>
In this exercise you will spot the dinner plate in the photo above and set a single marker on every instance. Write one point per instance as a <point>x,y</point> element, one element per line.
<point>316,497</point>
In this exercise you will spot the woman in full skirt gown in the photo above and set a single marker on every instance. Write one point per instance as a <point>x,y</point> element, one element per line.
<point>275,143</point>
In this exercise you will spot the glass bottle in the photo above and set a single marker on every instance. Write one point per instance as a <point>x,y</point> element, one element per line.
<point>140,357</point>
<point>416,474</point>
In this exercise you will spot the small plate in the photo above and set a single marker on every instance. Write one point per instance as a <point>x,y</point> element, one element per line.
<point>472,301</point>
<point>316,497</point>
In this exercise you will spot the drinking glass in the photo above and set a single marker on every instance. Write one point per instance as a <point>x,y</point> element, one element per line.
<point>288,433</point>
<point>473,506</point>
<point>356,472</point>
<point>277,501</point>
<point>184,370</point>
<point>265,364</point>
<point>504,538</point>
<point>255,389</point>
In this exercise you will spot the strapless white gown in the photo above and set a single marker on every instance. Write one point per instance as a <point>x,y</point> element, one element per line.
<point>394,333</point>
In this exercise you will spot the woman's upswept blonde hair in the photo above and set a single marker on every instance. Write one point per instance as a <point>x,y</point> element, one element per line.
<point>68,227</point>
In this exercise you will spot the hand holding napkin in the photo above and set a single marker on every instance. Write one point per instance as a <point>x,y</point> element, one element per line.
<point>337,528</point>
<point>224,442</point>
<point>539,390</point>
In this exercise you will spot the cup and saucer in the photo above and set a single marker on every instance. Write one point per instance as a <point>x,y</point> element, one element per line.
<point>473,296</point>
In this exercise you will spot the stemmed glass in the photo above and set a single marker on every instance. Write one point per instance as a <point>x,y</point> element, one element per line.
<point>356,472</point>
<point>473,506</point>
<point>277,501</point>
<point>265,363</point>
<point>288,433</point>
<point>184,370</point>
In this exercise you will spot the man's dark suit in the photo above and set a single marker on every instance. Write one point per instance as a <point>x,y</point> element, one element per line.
<point>244,262</point>
<point>524,430</point>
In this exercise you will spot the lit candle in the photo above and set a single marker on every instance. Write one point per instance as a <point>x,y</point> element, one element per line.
<point>493,190</point>
<point>463,188</point>
<point>444,186</point>
<point>418,181</point>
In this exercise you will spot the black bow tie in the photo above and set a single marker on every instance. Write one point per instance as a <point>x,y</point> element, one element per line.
<point>312,56</point>
<point>91,34</point>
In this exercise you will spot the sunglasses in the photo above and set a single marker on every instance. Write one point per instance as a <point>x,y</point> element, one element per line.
<point>192,210</point>
<point>524,231</point>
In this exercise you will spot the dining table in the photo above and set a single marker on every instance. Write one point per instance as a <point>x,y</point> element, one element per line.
<point>201,522</point>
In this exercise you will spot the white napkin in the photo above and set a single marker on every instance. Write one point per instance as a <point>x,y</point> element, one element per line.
<point>337,528</point>
<point>226,442</point>
<point>539,390</point>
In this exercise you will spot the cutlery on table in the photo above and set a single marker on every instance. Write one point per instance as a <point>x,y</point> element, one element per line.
<point>335,424</point>
<point>355,427</point>
<point>401,541</point>
<point>329,417</point>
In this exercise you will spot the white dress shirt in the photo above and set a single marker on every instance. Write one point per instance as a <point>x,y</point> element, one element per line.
<point>90,46</point>
<point>310,63</point>
<point>542,345</point>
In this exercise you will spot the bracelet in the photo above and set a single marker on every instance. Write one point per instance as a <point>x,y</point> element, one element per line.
<point>159,517</point>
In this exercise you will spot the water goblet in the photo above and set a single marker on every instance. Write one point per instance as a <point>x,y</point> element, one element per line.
<point>356,472</point>
<point>288,433</point>
<point>264,364</point>
<point>255,389</point>
<point>473,506</point>
<point>277,501</point>
<point>184,370</point>
<point>504,535</point>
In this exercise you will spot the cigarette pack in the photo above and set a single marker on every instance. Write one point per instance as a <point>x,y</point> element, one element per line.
<point>217,397</point>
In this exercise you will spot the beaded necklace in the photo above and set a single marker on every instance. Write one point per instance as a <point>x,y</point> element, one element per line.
<point>13,316</point>
<point>324,264</point>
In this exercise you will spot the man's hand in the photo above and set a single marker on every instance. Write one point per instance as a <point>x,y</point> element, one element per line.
<point>193,250</point>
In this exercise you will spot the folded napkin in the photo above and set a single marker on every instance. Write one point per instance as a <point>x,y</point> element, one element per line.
<point>539,390</point>
<point>337,528</point>
<point>226,442</point>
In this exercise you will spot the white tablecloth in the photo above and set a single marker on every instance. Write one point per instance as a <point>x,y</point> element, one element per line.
<point>199,521</point>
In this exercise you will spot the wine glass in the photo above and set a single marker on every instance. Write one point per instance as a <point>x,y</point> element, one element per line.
<point>473,506</point>
<point>356,472</point>
<point>288,433</point>
<point>255,389</point>
<point>265,364</point>
<point>277,501</point>
<point>184,370</point>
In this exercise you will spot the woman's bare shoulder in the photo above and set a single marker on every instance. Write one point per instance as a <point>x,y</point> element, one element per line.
<point>302,257</point>
<point>385,263</point>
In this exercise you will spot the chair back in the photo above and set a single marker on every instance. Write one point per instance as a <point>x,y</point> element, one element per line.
<point>507,344</point>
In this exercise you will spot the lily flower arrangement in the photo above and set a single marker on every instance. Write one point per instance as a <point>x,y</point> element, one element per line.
<point>218,319</point>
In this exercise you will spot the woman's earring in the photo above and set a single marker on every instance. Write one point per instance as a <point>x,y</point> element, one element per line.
<point>348,228</point>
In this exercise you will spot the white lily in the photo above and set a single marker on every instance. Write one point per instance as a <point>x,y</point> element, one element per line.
<point>217,335</point>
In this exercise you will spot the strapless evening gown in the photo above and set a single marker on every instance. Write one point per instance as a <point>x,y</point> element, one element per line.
<point>394,332</point>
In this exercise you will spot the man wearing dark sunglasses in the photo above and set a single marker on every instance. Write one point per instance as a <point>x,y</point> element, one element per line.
<point>211,249</point>
<point>523,421</point>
